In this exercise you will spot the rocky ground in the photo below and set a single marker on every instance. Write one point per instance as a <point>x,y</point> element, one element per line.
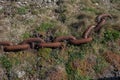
<point>20,19</point>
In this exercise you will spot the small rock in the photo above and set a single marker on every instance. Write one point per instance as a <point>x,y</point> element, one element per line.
<point>20,74</point>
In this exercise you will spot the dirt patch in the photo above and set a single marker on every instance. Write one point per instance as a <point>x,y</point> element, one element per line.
<point>57,73</point>
<point>113,59</point>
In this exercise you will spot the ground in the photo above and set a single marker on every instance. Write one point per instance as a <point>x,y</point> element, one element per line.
<point>100,58</point>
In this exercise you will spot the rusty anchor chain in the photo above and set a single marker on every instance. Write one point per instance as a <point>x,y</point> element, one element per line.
<point>36,43</point>
<point>102,16</point>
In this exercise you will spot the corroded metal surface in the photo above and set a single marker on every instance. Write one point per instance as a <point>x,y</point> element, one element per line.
<point>102,16</point>
<point>36,43</point>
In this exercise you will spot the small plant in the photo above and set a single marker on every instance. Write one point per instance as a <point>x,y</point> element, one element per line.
<point>6,63</point>
<point>22,10</point>
<point>69,70</point>
<point>75,74</point>
<point>26,35</point>
<point>111,35</point>
<point>45,53</point>
<point>100,64</point>
<point>62,18</point>
<point>45,26</point>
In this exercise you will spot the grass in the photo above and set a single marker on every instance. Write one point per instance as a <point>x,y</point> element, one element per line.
<point>26,35</point>
<point>100,64</point>
<point>76,74</point>
<point>44,61</point>
<point>58,59</point>
<point>80,77</point>
<point>45,53</point>
<point>82,15</point>
<point>111,35</point>
<point>45,26</point>
<point>22,10</point>
<point>62,18</point>
<point>6,63</point>
<point>88,9</point>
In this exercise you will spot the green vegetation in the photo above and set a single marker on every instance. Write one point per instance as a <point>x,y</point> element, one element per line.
<point>45,26</point>
<point>1,11</point>
<point>75,74</point>
<point>6,63</point>
<point>100,64</point>
<point>91,10</point>
<point>22,10</point>
<point>71,17</point>
<point>45,53</point>
<point>26,35</point>
<point>110,35</point>
<point>80,77</point>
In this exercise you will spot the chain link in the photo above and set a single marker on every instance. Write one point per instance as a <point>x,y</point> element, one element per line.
<point>36,43</point>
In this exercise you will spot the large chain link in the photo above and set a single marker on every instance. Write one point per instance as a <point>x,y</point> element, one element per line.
<point>36,43</point>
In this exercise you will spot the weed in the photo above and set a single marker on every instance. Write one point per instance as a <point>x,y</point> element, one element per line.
<point>22,10</point>
<point>44,61</point>
<point>6,63</point>
<point>74,53</point>
<point>100,64</point>
<point>69,69</point>
<point>62,18</point>
<point>111,35</point>
<point>26,35</point>
<point>45,26</point>
<point>45,53</point>
<point>75,74</point>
